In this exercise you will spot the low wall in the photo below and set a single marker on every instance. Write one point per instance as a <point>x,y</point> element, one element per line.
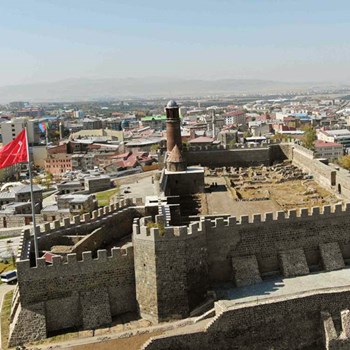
<point>18,220</point>
<point>322,173</point>
<point>285,323</point>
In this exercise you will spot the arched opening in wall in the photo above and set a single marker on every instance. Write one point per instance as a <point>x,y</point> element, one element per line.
<point>339,188</point>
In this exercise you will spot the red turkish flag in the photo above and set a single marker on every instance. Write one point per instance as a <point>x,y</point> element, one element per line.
<point>15,151</point>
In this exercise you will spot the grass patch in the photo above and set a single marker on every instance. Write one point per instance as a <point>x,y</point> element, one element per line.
<point>104,197</point>
<point>5,319</point>
<point>8,236</point>
<point>7,267</point>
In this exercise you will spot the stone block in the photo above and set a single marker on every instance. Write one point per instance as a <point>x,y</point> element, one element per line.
<point>246,270</point>
<point>95,308</point>
<point>293,263</point>
<point>331,256</point>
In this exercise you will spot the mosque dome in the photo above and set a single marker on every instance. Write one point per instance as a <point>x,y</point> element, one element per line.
<point>172,104</point>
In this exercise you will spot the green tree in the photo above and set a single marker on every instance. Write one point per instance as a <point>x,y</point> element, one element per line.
<point>232,143</point>
<point>247,134</point>
<point>279,137</point>
<point>158,225</point>
<point>344,162</point>
<point>155,148</point>
<point>309,138</point>
<point>48,180</point>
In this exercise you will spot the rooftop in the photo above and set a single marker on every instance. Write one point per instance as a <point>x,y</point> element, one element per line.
<point>26,189</point>
<point>172,104</point>
<point>202,139</point>
<point>340,132</point>
<point>320,143</point>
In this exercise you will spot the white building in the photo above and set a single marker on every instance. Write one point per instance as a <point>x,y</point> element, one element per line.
<point>329,150</point>
<point>10,129</point>
<point>341,136</point>
<point>235,118</point>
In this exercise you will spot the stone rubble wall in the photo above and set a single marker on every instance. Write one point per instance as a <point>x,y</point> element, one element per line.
<point>50,233</point>
<point>284,323</point>
<point>331,255</point>
<point>293,263</point>
<point>245,270</point>
<point>264,236</point>
<point>171,273</point>
<point>85,293</point>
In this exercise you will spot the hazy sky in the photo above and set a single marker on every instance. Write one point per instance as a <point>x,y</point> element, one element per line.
<point>287,40</point>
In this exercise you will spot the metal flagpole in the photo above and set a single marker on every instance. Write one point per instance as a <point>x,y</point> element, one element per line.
<point>36,248</point>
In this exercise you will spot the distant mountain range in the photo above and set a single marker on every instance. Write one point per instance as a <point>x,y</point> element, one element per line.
<point>96,89</point>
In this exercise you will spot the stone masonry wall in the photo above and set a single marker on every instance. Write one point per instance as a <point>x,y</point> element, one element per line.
<point>171,270</point>
<point>85,293</point>
<point>268,235</point>
<point>234,157</point>
<point>322,173</point>
<point>182,261</point>
<point>118,224</point>
<point>285,323</point>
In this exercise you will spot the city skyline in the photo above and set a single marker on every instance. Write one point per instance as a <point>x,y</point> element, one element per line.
<point>292,41</point>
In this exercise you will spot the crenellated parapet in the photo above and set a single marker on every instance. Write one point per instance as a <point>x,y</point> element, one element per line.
<point>63,268</point>
<point>82,222</point>
<point>142,229</point>
<point>223,148</point>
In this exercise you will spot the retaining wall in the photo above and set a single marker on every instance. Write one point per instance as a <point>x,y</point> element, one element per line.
<point>285,323</point>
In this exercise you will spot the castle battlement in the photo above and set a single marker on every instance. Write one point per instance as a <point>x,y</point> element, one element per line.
<point>222,147</point>
<point>142,229</point>
<point>59,266</point>
<point>78,221</point>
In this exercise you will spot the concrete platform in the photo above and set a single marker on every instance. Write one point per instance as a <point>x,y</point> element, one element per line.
<point>279,287</point>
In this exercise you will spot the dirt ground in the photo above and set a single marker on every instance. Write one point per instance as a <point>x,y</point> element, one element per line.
<point>132,343</point>
<point>221,198</point>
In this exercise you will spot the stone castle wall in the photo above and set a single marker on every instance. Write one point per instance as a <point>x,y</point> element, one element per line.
<point>78,291</point>
<point>74,294</point>
<point>265,237</point>
<point>170,270</point>
<point>243,157</point>
<point>117,216</point>
<point>284,323</point>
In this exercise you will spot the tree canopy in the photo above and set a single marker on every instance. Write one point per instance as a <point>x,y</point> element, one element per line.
<point>309,138</point>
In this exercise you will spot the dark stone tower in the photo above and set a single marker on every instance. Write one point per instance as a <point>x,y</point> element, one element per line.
<point>173,132</point>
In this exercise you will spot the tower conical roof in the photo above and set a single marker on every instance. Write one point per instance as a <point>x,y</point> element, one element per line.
<point>175,155</point>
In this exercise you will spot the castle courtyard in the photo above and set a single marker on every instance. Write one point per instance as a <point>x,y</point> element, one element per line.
<point>247,191</point>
